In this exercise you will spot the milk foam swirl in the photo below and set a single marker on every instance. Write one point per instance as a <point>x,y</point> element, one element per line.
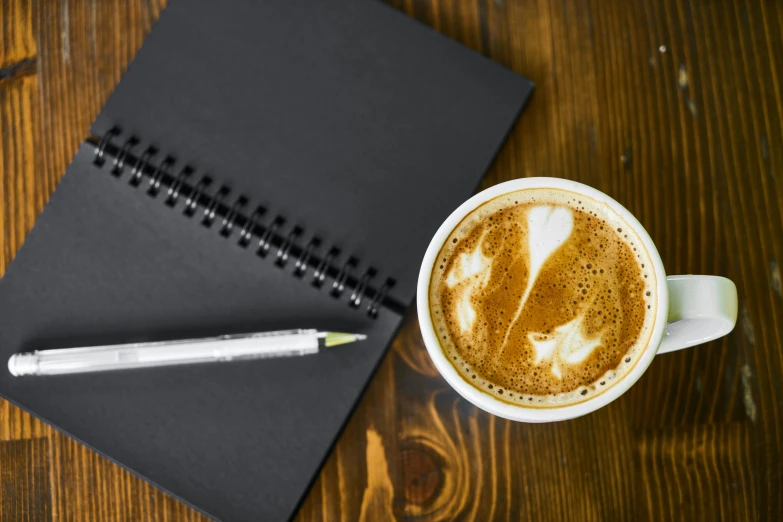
<point>543,297</point>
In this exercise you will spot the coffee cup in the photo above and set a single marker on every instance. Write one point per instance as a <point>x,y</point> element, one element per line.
<point>689,309</point>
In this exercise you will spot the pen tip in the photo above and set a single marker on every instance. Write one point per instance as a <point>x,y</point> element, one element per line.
<point>337,338</point>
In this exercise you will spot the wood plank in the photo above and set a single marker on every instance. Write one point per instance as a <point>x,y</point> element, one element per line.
<point>24,480</point>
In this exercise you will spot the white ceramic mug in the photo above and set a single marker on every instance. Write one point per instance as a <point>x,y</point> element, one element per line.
<point>692,309</point>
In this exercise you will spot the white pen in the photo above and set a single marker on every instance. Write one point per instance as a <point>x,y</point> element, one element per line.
<point>285,343</point>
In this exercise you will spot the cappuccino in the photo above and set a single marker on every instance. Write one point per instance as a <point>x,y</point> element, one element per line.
<point>543,298</point>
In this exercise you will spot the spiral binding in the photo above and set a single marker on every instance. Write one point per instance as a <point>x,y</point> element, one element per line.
<point>285,249</point>
<point>191,203</point>
<point>230,218</point>
<point>160,171</point>
<point>302,261</point>
<point>210,211</point>
<point>319,276</point>
<point>138,169</point>
<point>119,160</point>
<point>358,293</point>
<point>339,282</point>
<point>231,215</point>
<point>176,186</point>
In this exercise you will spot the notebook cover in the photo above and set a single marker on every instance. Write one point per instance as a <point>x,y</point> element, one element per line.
<point>370,152</point>
<point>353,120</point>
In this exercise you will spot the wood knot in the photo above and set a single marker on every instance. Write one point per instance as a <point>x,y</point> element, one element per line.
<point>422,475</point>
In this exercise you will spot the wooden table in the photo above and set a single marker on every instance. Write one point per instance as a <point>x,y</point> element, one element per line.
<point>674,108</point>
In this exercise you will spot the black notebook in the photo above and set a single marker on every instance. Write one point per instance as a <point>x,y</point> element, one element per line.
<point>261,166</point>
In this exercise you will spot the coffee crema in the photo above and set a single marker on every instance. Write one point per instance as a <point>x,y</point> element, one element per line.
<point>543,298</point>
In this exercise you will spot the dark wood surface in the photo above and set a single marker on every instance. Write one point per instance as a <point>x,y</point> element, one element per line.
<point>674,108</point>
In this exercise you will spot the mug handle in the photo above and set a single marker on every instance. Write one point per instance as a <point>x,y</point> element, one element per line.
<point>701,308</point>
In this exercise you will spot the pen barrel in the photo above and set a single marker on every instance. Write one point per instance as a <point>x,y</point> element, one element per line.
<point>148,355</point>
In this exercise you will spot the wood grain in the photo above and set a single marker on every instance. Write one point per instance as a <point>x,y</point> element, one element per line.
<point>674,108</point>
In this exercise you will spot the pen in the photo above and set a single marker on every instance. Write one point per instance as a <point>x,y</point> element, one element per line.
<point>285,343</point>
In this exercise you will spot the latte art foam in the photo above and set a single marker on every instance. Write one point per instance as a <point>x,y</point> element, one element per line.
<point>543,298</point>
